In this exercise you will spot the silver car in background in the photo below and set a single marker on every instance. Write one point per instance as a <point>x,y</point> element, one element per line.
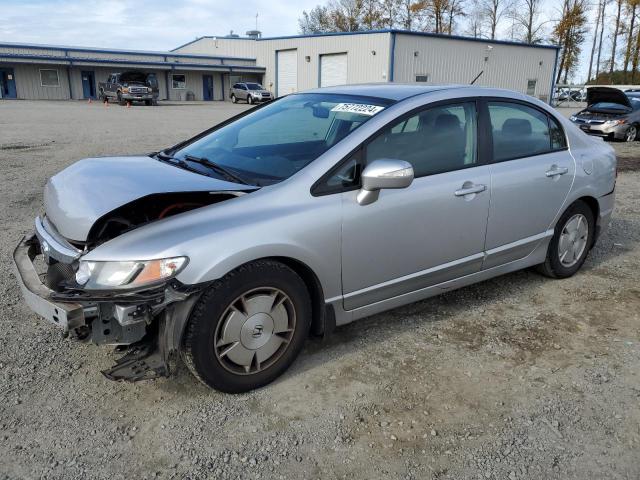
<point>306,213</point>
<point>250,92</point>
<point>610,113</point>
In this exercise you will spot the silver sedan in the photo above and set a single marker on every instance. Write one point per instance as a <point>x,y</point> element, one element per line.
<point>307,213</point>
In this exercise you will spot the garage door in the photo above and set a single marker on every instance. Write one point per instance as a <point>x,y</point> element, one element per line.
<point>287,72</point>
<point>333,69</point>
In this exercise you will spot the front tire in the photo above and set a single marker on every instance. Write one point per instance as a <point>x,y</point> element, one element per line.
<point>631,134</point>
<point>248,327</point>
<point>571,242</point>
<point>249,99</point>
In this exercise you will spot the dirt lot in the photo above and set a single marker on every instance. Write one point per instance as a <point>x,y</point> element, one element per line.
<point>518,377</point>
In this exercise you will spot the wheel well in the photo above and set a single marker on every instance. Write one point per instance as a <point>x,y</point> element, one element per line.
<point>319,321</point>
<point>592,203</point>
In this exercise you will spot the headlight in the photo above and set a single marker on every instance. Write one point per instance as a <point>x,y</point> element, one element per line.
<point>149,89</point>
<point>613,123</point>
<point>107,275</point>
<point>573,118</point>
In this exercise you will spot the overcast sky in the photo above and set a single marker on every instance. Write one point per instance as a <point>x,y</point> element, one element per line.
<point>161,24</point>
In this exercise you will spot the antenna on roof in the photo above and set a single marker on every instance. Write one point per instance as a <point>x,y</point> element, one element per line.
<point>256,21</point>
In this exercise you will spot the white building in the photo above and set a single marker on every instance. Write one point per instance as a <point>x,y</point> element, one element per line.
<point>301,62</point>
<point>284,64</point>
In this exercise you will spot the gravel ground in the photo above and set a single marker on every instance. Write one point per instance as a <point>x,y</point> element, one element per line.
<point>517,377</point>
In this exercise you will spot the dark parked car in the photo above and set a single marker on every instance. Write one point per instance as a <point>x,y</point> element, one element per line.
<point>610,113</point>
<point>130,87</point>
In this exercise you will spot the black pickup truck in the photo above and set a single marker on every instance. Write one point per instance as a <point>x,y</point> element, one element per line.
<point>130,87</point>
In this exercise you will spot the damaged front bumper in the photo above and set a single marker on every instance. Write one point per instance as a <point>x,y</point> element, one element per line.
<point>38,296</point>
<point>146,324</point>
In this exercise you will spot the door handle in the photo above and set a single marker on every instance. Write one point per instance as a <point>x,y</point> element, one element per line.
<point>556,171</point>
<point>468,190</point>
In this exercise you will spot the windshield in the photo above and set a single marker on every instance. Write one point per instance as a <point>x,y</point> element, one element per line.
<point>131,77</point>
<point>608,106</point>
<point>635,100</point>
<point>254,86</point>
<point>272,143</point>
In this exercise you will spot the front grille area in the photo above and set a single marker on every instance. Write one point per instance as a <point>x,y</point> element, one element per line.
<point>137,89</point>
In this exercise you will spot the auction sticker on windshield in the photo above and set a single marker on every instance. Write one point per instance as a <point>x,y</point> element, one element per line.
<point>357,108</point>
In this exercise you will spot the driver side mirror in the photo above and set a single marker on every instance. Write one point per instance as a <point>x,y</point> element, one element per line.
<point>381,174</point>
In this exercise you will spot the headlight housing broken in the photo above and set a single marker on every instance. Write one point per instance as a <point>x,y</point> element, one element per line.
<point>131,274</point>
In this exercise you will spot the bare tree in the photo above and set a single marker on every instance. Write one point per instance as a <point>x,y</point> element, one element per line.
<point>411,13</point>
<point>371,14</point>
<point>317,20</point>
<point>475,22</point>
<point>604,11</point>
<point>388,13</point>
<point>601,6</point>
<point>631,7</point>
<point>526,17</point>
<point>493,11</point>
<point>437,11</point>
<point>612,62</point>
<point>456,10</point>
<point>634,61</point>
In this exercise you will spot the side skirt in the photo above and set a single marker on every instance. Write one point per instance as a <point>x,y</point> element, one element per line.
<point>346,316</point>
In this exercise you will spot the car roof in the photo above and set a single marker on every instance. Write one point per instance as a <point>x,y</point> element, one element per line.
<point>389,91</point>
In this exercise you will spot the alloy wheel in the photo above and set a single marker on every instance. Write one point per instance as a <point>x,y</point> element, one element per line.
<point>631,134</point>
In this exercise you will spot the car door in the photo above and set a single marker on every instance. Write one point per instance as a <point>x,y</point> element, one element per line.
<point>531,175</point>
<point>430,232</point>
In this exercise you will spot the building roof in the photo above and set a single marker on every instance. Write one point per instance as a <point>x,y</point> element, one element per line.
<point>155,53</point>
<point>66,55</point>
<point>384,30</point>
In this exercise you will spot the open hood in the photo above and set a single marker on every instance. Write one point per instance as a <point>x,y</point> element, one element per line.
<point>88,190</point>
<point>607,94</point>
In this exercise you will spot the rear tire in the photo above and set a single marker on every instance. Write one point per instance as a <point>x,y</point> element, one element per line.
<point>571,242</point>
<point>248,327</point>
<point>234,99</point>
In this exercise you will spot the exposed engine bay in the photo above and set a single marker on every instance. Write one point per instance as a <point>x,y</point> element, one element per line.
<point>138,321</point>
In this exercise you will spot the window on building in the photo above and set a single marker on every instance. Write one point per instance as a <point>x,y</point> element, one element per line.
<point>518,131</point>
<point>49,78</point>
<point>422,78</point>
<point>179,81</point>
<point>531,87</point>
<point>436,140</point>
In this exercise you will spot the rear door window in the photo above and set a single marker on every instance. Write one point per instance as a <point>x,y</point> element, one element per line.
<point>519,131</point>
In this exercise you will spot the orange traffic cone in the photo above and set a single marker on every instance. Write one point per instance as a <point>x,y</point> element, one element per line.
<point>89,100</point>
<point>128,104</point>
